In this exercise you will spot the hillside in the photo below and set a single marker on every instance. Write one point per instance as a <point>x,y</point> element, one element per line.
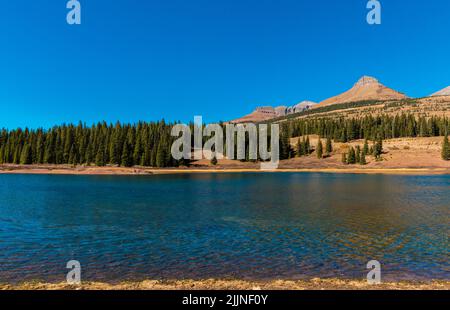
<point>367,88</point>
<point>427,107</point>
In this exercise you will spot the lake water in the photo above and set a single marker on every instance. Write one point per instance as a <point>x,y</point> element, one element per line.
<point>239,226</point>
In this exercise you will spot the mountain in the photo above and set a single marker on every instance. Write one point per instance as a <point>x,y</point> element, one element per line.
<point>367,88</point>
<point>266,113</point>
<point>259,115</point>
<point>300,107</point>
<point>443,92</point>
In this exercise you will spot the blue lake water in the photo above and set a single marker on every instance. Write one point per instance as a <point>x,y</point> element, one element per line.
<point>244,226</point>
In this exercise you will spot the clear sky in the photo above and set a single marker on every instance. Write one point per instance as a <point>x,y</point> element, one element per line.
<point>134,60</point>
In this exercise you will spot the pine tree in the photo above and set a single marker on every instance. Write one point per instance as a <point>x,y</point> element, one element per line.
<point>115,146</point>
<point>72,156</point>
<point>147,158</point>
<point>285,146</point>
<point>351,160</point>
<point>126,158</point>
<point>40,149</point>
<point>366,147</point>
<point>329,146</point>
<point>137,152</point>
<point>378,148</point>
<point>319,150</point>
<point>25,156</point>
<point>100,156</point>
<point>358,154</point>
<point>59,153</point>
<point>50,149</point>
<point>343,136</point>
<point>299,148</point>
<point>362,160</point>
<point>307,146</point>
<point>16,156</point>
<point>160,156</point>
<point>151,155</point>
<point>68,136</point>
<point>89,154</point>
<point>445,149</point>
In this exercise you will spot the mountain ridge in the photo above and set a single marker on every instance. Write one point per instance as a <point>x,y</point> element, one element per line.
<point>267,112</point>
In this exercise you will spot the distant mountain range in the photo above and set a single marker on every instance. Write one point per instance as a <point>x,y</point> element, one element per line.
<point>266,113</point>
<point>366,88</point>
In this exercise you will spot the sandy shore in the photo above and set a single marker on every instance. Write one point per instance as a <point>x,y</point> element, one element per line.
<point>211,284</point>
<point>83,170</point>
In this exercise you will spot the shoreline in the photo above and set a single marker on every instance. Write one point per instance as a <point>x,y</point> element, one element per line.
<point>216,284</point>
<point>93,170</point>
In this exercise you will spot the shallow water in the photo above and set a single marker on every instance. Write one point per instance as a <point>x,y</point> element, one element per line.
<point>244,225</point>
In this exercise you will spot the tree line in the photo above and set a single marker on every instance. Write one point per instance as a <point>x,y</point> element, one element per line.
<point>145,144</point>
<point>149,143</point>
<point>370,127</point>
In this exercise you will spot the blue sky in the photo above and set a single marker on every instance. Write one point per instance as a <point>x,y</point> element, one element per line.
<point>173,59</point>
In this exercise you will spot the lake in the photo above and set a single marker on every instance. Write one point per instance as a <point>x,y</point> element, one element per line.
<point>235,226</point>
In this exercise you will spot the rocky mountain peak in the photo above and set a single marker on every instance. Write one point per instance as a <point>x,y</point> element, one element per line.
<point>366,80</point>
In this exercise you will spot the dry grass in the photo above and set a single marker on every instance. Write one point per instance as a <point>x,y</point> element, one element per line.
<point>402,153</point>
